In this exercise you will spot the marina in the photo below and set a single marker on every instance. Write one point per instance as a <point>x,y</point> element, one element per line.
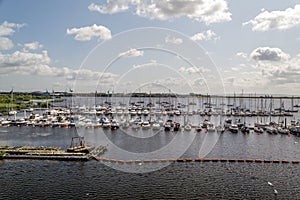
<point>153,99</point>
<point>236,162</point>
<point>274,115</point>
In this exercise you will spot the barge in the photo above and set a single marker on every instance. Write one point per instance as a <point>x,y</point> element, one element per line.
<point>81,152</point>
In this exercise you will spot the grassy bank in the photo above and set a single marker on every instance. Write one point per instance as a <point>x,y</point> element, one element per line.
<point>23,101</point>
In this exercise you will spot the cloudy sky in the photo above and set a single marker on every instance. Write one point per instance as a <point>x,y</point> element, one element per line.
<point>182,46</point>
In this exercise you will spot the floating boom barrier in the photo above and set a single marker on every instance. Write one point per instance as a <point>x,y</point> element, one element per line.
<point>187,160</point>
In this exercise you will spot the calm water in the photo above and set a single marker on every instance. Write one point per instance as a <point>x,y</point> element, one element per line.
<point>33,179</point>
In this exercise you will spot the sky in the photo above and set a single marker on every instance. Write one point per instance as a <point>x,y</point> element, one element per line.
<point>178,46</point>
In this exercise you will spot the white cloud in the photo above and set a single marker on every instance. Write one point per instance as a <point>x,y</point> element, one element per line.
<point>32,46</point>
<point>89,32</point>
<point>7,28</point>
<point>173,40</point>
<point>207,11</point>
<point>276,68</point>
<point>5,43</point>
<point>199,82</point>
<point>207,35</point>
<point>87,74</point>
<point>152,63</point>
<point>242,54</point>
<point>282,72</point>
<point>191,70</point>
<point>26,63</point>
<point>112,6</point>
<point>229,81</point>
<point>280,20</point>
<point>235,68</point>
<point>19,58</point>
<point>268,54</point>
<point>131,53</point>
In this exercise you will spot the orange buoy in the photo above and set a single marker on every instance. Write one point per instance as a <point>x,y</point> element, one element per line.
<point>214,159</point>
<point>206,159</point>
<point>113,160</point>
<point>249,160</point>
<point>138,161</point>
<point>295,161</point>
<point>197,159</point>
<point>155,160</point>
<point>188,160</point>
<point>105,159</point>
<point>96,158</point>
<point>163,160</point>
<point>172,159</point>
<point>231,160</point>
<point>276,161</point>
<point>121,161</point>
<point>285,161</point>
<point>258,160</point>
<point>147,161</point>
<point>180,160</point>
<point>128,161</point>
<point>241,160</point>
<point>267,161</point>
<point>223,160</point>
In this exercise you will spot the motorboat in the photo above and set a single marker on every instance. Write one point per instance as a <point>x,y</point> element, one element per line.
<point>233,128</point>
<point>114,125</point>
<point>145,124</point>
<point>176,126</point>
<point>168,126</point>
<point>188,127</point>
<point>210,127</point>
<point>156,125</point>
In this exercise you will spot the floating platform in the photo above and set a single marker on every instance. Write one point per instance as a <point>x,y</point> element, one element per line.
<point>47,157</point>
<point>82,152</point>
<point>40,153</point>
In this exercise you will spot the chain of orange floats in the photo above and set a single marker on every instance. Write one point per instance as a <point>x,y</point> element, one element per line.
<point>231,160</point>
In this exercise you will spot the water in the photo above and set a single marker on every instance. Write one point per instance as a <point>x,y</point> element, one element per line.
<point>93,180</point>
<point>40,179</point>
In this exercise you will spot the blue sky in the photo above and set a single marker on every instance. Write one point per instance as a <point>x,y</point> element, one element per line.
<point>209,46</point>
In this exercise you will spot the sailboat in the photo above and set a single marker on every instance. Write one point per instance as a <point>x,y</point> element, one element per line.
<point>12,112</point>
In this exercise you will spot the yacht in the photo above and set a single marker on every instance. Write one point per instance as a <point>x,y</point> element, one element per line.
<point>114,125</point>
<point>188,127</point>
<point>145,125</point>
<point>156,125</point>
<point>233,128</point>
<point>210,127</point>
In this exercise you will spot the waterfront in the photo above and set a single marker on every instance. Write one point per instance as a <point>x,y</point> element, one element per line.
<point>34,179</point>
<point>140,162</point>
